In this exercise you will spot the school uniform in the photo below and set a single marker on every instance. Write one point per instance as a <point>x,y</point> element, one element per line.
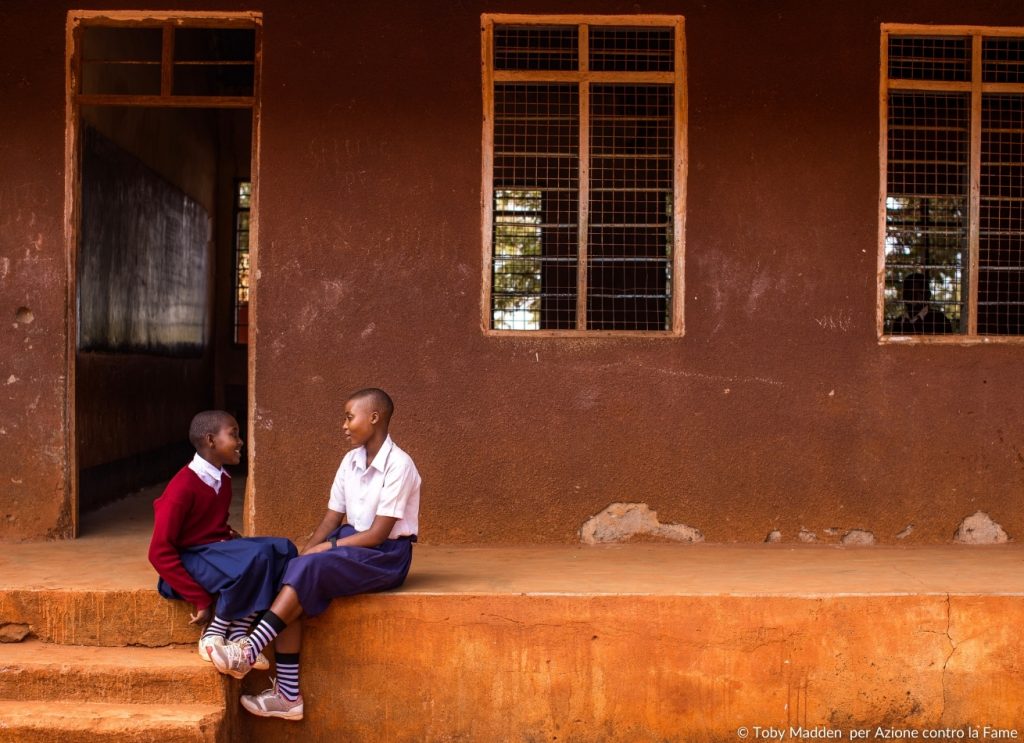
<point>387,486</point>
<point>196,556</point>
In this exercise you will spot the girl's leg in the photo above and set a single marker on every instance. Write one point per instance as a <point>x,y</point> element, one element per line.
<point>239,628</point>
<point>287,605</point>
<point>236,659</point>
<point>287,647</point>
<point>283,699</point>
<point>217,627</point>
<point>285,610</point>
<point>214,634</point>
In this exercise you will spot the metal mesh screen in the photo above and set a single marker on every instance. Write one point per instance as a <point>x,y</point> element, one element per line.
<point>540,228</point>
<point>536,48</point>
<point>1001,239</point>
<point>1002,60</point>
<point>536,195</point>
<point>632,49</point>
<point>631,184</point>
<point>930,58</point>
<point>926,212</point>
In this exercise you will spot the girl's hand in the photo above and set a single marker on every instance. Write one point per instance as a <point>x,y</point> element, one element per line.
<point>322,547</point>
<point>201,617</point>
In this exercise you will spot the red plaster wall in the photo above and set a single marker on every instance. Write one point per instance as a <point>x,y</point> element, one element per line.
<point>777,410</point>
<point>33,367</point>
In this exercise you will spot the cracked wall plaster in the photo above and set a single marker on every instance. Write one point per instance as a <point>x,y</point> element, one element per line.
<point>623,522</point>
<point>979,528</point>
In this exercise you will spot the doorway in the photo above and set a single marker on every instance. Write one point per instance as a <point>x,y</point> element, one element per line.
<point>163,114</point>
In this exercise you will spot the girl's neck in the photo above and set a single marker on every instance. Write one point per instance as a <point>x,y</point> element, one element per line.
<point>374,445</point>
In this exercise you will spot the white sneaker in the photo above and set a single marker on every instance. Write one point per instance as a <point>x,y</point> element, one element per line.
<point>271,703</point>
<point>206,642</point>
<point>261,663</point>
<point>231,658</point>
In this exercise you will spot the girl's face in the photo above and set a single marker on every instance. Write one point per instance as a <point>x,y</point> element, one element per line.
<point>226,445</point>
<point>360,419</point>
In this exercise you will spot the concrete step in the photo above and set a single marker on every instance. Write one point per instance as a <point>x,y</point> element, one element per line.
<point>83,722</point>
<point>110,617</point>
<point>130,675</point>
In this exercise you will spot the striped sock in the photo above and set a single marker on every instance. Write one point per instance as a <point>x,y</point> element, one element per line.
<point>288,675</point>
<point>239,628</point>
<point>263,633</point>
<point>216,627</point>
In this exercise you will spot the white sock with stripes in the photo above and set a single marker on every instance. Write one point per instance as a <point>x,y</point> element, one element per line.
<point>217,627</point>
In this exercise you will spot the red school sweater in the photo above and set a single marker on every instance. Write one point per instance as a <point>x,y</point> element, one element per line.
<point>188,514</point>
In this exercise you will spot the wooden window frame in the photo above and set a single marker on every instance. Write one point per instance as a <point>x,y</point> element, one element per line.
<point>976,87</point>
<point>167,22</point>
<point>584,76</point>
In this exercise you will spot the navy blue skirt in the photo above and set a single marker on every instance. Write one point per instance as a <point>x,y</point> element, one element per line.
<point>346,571</point>
<point>244,574</point>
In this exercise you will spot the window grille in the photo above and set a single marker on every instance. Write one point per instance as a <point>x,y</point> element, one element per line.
<point>243,200</point>
<point>583,173</point>
<point>953,174</point>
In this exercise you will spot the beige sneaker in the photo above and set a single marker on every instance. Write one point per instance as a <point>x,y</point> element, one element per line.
<point>230,658</point>
<point>206,643</point>
<point>271,703</point>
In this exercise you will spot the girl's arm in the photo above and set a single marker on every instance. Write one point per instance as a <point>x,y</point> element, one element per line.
<point>331,521</point>
<point>372,537</point>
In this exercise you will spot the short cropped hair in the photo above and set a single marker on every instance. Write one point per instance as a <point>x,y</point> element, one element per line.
<point>209,421</point>
<point>379,398</point>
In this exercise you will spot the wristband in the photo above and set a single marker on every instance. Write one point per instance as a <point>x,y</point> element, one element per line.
<point>334,542</point>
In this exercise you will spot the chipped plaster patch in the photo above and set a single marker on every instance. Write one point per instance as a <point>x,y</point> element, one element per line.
<point>858,538</point>
<point>979,528</point>
<point>774,537</point>
<point>622,522</point>
<point>13,632</point>
<point>907,531</point>
<point>807,536</point>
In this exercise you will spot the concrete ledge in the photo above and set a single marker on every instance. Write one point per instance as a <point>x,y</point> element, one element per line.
<point>653,668</point>
<point>622,643</point>
<point>104,617</point>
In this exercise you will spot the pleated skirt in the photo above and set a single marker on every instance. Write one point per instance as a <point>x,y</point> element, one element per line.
<point>347,571</point>
<point>244,574</point>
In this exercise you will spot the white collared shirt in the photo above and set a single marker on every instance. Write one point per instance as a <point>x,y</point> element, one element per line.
<point>390,486</point>
<point>207,472</point>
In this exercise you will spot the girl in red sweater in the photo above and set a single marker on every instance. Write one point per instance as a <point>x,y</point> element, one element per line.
<point>227,578</point>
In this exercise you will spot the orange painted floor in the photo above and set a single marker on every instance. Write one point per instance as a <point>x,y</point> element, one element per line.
<point>119,534</point>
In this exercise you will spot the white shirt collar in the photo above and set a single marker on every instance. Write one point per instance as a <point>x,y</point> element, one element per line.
<point>207,472</point>
<point>359,458</point>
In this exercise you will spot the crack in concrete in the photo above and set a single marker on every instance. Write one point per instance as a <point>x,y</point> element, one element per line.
<point>952,650</point>
<point>909,575</point>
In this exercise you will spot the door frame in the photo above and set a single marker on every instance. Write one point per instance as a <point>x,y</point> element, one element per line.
<point>76,20</point>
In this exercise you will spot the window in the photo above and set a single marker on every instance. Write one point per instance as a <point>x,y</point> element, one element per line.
<point>243,199</point>
<point>584,170</point>
<point>952,216</point>
<point>166,62</point>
